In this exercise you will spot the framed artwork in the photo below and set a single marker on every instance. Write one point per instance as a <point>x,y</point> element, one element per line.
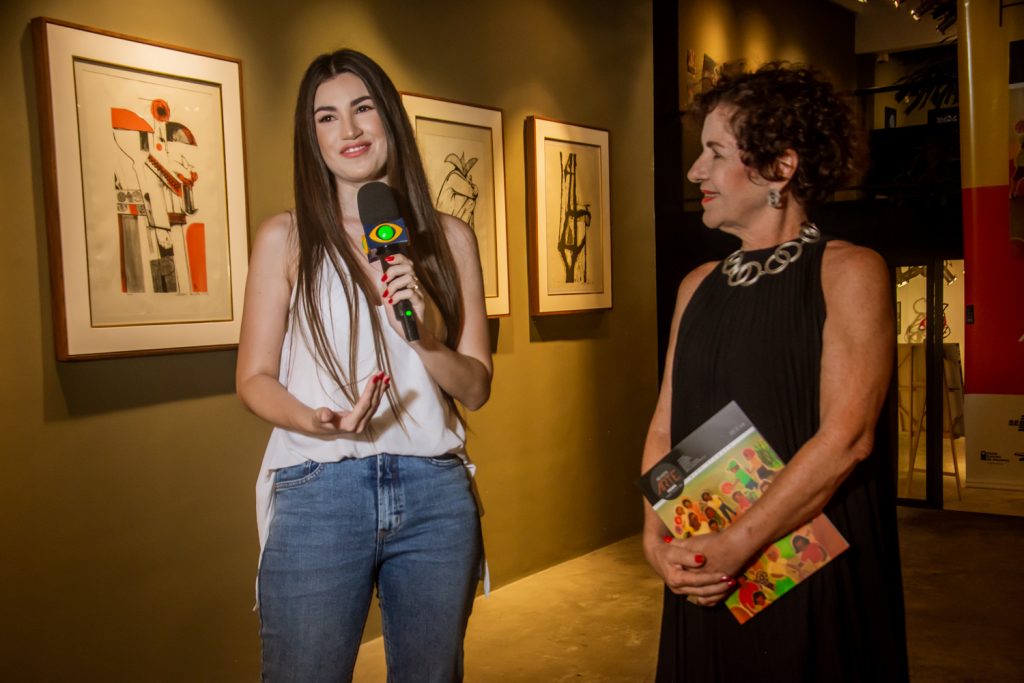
<point>464,159</point>
<point>144,180</point>
<point>568,191</point>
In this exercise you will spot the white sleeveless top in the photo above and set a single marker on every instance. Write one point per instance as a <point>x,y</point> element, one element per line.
<point>429,428</point>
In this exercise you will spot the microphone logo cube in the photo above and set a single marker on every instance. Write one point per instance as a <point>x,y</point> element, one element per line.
<point>387,234</point>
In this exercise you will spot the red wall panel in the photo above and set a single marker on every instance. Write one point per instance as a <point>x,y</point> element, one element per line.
<point>994,286</point>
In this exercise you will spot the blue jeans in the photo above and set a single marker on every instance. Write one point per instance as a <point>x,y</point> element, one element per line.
<point>407,525</point>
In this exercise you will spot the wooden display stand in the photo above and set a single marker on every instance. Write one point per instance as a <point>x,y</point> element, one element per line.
<point>911,382</point>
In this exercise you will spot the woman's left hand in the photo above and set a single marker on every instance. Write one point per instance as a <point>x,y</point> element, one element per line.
<point>399,283</point>
<point>724,557</point>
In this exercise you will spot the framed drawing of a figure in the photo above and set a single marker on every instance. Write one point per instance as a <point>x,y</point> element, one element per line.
<point>144,179</point>
<point>569,214</point>
<point>463,156</point>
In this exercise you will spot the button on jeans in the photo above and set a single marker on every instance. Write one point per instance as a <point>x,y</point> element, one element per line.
<point>407,525</point>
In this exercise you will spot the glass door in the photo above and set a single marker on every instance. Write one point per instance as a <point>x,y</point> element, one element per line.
<point>929,381</point>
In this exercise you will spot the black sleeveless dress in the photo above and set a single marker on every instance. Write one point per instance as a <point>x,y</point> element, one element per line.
<point>761,346</point>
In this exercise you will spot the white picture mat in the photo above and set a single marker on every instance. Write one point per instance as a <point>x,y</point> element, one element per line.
<point>588,191</point>
<point>197,105</point>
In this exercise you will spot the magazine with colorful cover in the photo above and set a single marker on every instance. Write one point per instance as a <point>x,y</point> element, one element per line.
<point>712,477</point>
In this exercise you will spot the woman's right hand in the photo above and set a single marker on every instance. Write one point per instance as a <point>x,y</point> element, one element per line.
<point>327,422</point>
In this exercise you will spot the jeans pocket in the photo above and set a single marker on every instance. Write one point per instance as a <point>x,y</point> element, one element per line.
<point>446,460</point>
<point>297,475</point>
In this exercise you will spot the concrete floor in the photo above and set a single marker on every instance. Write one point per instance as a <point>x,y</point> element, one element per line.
<point>595,618</point>
<point>962,589</point>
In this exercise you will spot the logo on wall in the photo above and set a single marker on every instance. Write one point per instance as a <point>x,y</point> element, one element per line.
<point>993,457</point>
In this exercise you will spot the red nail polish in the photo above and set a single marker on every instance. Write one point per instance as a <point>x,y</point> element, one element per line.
<point>376,378</point>
<point>385,293</point>
<point>699,559</point>
<point>389,259</point>
<point>384,277</point>
<point>666,538</point>
<point>387,381</point>
<point>390,301</point>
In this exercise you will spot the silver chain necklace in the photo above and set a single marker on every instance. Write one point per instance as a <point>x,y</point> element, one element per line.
<point>745,274</point>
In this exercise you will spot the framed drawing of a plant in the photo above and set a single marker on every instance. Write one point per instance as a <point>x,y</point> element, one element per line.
<point>569,213</point>
<point>463,156</point>
<point>144,181</point>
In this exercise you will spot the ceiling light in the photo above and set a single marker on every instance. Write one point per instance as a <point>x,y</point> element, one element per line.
<point>905,275</point>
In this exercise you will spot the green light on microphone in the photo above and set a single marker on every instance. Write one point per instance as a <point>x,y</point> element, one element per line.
<point>408,314</point>
<point>385,232</point>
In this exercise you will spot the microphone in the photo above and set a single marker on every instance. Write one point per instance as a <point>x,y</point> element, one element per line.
<point>384,232</point>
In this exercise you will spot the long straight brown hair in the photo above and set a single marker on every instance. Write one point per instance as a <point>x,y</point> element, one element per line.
<point>322,239</point>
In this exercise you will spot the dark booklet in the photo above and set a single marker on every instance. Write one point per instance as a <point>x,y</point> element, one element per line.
<point>712,477</point>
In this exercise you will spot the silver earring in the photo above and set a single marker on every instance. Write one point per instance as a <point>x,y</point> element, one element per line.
<point>774,198</point>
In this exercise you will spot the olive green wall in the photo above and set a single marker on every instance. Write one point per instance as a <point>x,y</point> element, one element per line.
<point>813,32</point>
<point>128,532</point>
<point>808,31</point>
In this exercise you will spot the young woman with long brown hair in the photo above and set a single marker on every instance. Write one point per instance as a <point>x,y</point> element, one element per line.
<point>365,482</point>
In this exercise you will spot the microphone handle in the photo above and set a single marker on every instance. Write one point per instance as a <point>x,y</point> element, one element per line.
<point>403,309</point>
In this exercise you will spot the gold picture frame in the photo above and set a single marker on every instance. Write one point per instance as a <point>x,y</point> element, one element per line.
<point>145,192</point>
<point>463,156</point>
<point>569,212</point>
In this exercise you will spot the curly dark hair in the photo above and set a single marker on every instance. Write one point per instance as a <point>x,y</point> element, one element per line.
<point>788,106</point>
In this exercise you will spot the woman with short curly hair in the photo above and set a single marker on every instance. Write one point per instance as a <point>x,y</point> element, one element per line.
<point>779,108</point>
<point>797,328</point>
